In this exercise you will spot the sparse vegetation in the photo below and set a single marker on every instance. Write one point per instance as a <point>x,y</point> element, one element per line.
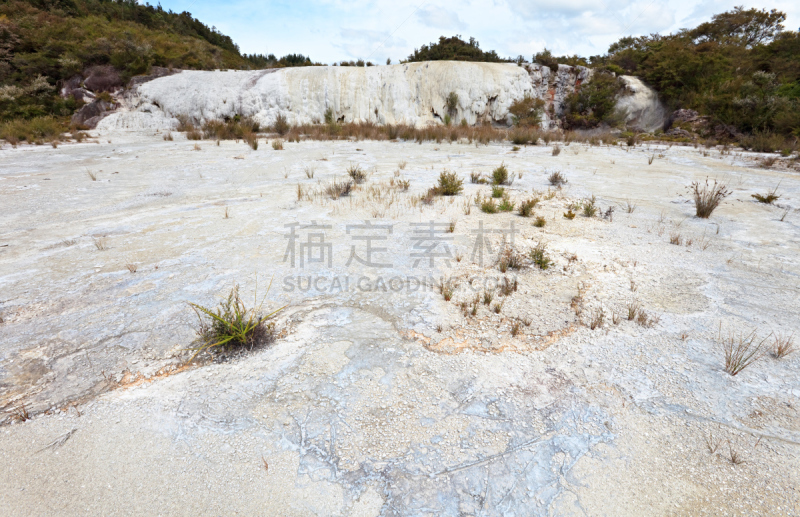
<point>506,205</point>
<point>707,197</point>
<point>337,189</point>
<point>741,350</point>
<point>447,288</point>
<point>556,150</point>
<point>768,198</point>
<point>500,175</point>
<point>357,174</point>
<point>539,256</point>
<point>569,214</point>
<point>782,345</point>
<point>540,222</point>
<point>281,125</point>
<point>526,207</point>
<point>233,326</point>
<point>277,144</point>
<point>557,179</point>
<point>450,184</point>
<point>488,206</point>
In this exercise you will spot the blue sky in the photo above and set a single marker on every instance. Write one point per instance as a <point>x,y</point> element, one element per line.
<point>333,30</point>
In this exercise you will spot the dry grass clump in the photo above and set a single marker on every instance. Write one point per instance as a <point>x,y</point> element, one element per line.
<point>447,288</point>
<point>233,326</point>
<point>782,345</point>
<point>277,144</point>
<point>507,286</point>
<point>509,259</point>
<point>337,189</point>
<point>557,179</point>
<point>526,207</point>
<point>281,125</point>
<point>768,198</point>
<point>707,197</point>
<point>556,150</point>
<point>596,318</point>
<point>741,350</point>
<point>236,128</point>
<point>569,214</point>
<point>540,222</point>
<point>357,174</point>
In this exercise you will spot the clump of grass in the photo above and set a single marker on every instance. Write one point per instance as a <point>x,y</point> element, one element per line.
<point>707,197</point>
<point>540,222</point>
<point>487,298</point>
<point>488,206</point>
<point>509,259</point>
<point>402,165</point>
<point>309,171</point>
<point>597,318</point>
<point>450,184</point>
<point>506,205</point>
<point>646,320</point>
<point>507,287</point>
<point>100,243</point>
<point>500,175</point>
<point>447,288</point>
<point>782,345</point>
<point>497,308</point>
<point>741,350</point>
<point>768,198</point>
<point>233,326</point>
<point>629,207</point>
<point>557,179</point>
<point>633,308</point>
<point>539,256</point>
<point>589,207</point>
<point>252,141</point>
<point>20,414</point>
<point>277,144</point>
<point>476,178</point>
<point>168,136</point>
<point>281,125</point>
<point>569,214</point>
<point>498,192</point>
<point>337,189</point>
<point>36,130</point>
<point>556,150</point>
<point>676,238</point>
<point>357,174</point>
<point>515,328</point>
<point>526,207</point>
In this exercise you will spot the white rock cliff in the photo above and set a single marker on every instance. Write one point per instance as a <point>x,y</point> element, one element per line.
<point>412,93</point>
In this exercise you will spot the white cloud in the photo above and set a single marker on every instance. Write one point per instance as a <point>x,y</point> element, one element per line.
<point>440,18</point>
<point>333,30</point>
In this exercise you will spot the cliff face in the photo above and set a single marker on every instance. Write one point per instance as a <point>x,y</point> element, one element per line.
<point>413,93</point>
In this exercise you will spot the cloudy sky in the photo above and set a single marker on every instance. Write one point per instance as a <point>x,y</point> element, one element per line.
<point>335,30</point>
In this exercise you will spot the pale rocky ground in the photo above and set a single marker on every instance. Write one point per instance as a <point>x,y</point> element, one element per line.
<point>390,403</point>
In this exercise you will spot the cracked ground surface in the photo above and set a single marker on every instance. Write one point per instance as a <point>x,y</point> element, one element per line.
<point>382,401</point>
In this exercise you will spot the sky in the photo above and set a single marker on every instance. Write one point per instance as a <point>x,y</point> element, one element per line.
<point>334,30</point>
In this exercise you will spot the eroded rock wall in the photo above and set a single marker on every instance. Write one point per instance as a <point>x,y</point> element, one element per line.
<point>412,93</point>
